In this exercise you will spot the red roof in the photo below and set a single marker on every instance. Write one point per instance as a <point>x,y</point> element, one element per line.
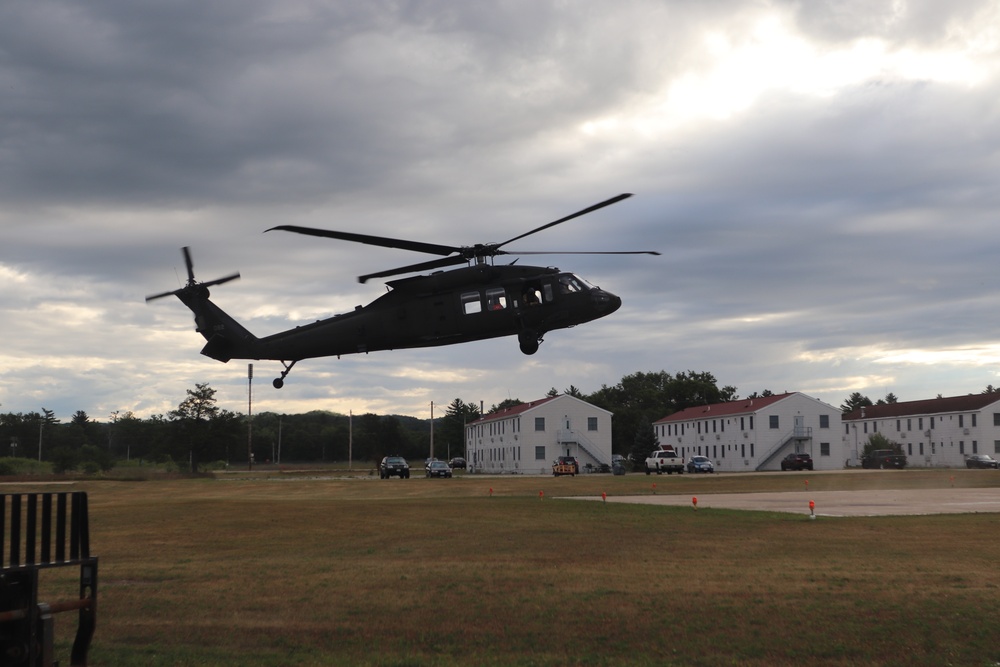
<point>743,406</point>
<point>930,406</point>
<point>506,413</point>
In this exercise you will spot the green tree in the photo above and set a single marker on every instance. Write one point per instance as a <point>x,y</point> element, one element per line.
<point>194,416</point>
<point>854,402</point>
<point>643,443</point>
<point>506,403</point>
<point>889,399</point>
<point>643,398</point>
<point>450,431</point>
<point>880,441</point>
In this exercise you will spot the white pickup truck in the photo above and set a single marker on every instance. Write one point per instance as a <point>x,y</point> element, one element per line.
<point>664,461</point>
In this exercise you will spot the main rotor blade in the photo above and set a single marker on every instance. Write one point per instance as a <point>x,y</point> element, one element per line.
<point>590,209</point>
<point>579,252</point>
<point>385,242</point>
<point>219,281</point>
<point>189,264</point>
<point>152,297</point>
<point>414,268</point>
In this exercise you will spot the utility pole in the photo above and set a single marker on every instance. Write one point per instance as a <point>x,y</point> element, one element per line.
<point>249,417</point>
<point>432,429</point>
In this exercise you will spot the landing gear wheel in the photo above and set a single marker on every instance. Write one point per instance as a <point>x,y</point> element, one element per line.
<point>279,382</point>
<point>528,341</point>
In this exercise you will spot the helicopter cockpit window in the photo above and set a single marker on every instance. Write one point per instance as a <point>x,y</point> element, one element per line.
<point>569,284</point>
<point>496,299</point>
<point>471,303</point>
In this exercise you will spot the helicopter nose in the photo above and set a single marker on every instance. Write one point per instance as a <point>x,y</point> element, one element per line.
<point>606,302</point>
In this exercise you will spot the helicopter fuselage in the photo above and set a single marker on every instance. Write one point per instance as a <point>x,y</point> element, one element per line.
<point>457,306</point>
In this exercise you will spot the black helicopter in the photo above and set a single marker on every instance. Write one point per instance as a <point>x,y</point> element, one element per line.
<point>479,301</point>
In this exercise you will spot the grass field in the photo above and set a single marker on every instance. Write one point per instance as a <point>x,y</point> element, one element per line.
<point>316,569</point>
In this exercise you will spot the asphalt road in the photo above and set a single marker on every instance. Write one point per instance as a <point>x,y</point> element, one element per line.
<point>840,503</point>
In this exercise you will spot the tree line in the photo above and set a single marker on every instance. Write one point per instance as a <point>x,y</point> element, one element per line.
<point>199,433</point>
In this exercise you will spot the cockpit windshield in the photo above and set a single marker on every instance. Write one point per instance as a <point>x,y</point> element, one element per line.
<point>569,284</point>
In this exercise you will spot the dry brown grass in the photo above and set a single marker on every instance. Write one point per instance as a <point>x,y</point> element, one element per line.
<point>280,571</point>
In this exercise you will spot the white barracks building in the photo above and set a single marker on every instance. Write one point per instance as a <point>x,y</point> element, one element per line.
<point>755,434</point>
<point>527,438</point>
<point>937,432</point>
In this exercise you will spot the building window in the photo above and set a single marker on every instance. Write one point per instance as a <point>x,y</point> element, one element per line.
<point>772,421</point>
<point>899,424</point>
<point>824,449</point>
<point>996,418</point>
<point>909,424</point>
<point>996,446</point>
<point>973,420</point>
<point>591,423</point>
<point>539,423</point>
<point>920,425</point>
<point>975,447</point>
<point>824,421</point>
<point>909,448</point>
<point>961,421</point>
<point>540,453</point>
<point>961,446</point>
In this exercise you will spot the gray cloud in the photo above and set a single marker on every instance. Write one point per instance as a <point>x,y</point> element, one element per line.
<point>803,231</point>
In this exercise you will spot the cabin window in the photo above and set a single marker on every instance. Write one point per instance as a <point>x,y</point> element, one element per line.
<point>547,292</point>
<point>471,303</point>
<point>532,295</point>
<point>496,299</point>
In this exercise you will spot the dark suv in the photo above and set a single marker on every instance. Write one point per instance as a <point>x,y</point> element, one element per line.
<point>394,465</point>
<point>797,461</point>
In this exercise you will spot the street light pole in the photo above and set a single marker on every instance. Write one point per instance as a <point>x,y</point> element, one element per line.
<point>249,417</point>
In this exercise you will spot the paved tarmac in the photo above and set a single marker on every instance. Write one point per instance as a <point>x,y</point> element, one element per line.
<point>840,503</point>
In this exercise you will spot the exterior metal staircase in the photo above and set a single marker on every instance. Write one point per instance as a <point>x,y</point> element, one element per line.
<point>797,436</point>
<point>567,436</point>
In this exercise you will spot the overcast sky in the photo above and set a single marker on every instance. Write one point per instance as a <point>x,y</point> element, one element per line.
<point>821,178</point>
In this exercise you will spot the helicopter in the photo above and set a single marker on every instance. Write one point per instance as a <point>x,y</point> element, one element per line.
<point>479,301</point>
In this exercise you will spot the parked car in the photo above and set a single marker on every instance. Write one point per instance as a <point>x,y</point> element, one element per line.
<point>569,461</point>
<point>700,464</point>
<point>394,466</point>
<point>981,461</point>
<point>883,458</point>
<point>797,461</point>
<point>437,468</point>
<point>457,462</point>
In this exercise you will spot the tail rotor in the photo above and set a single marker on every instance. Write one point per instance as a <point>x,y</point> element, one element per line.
<point>192,287</point>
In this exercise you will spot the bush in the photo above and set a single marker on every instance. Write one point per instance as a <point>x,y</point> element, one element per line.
<point>13,467</point>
